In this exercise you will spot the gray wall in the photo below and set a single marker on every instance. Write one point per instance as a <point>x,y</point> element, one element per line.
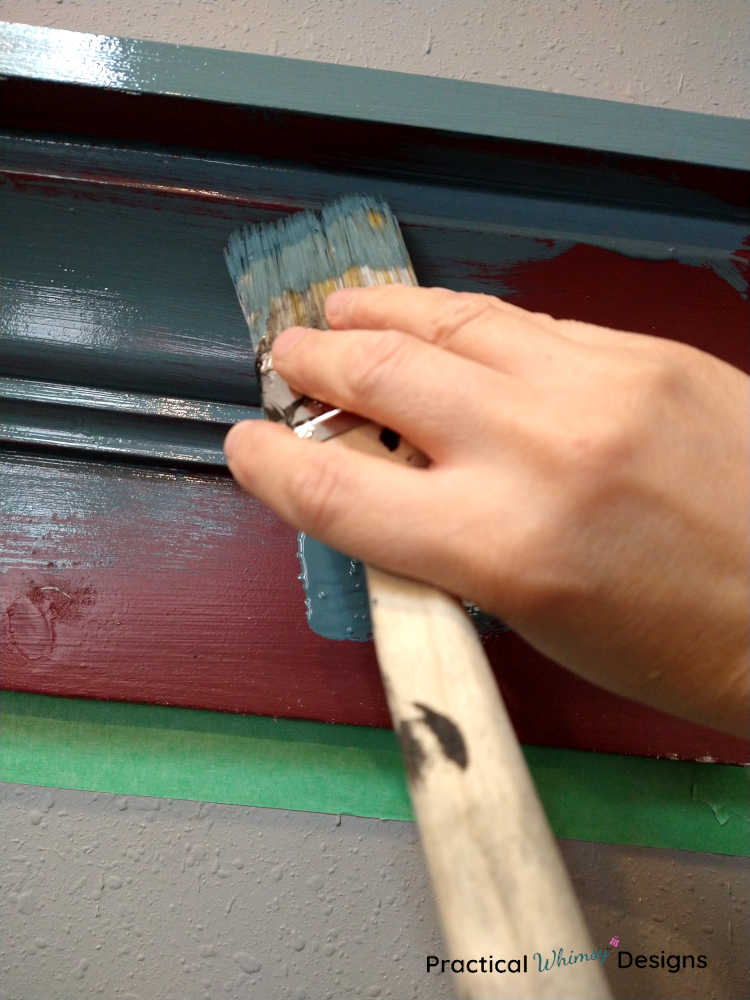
<point>164,900</point>
<point>155,899</point>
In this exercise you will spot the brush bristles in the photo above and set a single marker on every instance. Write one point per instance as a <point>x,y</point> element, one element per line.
<point>283,272</point>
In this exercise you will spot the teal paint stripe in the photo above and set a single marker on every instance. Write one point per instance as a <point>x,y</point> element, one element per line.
<point>251,760</point>
<point>371,95</point>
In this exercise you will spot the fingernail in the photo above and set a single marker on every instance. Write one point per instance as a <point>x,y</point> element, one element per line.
<point>286,340</point>
<point>338,302</point>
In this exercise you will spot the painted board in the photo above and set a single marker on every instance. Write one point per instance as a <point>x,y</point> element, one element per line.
<point>132,568</point>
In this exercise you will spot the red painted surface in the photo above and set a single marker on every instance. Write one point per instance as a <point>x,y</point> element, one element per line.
<point>133,603</point>
<point>663,298</point>
<point>165,587</point>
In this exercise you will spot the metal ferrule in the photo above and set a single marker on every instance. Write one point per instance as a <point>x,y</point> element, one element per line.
<point>328,425</point>
<point>307,417</point>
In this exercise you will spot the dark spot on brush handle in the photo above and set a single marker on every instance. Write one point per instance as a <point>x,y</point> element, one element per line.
<point>389,438</point>
<point>411,748</point>
<point>447,733</point>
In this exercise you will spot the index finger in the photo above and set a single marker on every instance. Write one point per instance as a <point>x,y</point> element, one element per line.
<point>396,307</point>
<point>477,327</point>
<point>433,313</point>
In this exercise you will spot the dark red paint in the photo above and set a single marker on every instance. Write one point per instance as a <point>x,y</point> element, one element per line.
<point>664,298</point>
<point>134,602</point>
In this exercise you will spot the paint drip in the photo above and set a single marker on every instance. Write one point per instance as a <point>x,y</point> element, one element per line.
<point>336,601</point>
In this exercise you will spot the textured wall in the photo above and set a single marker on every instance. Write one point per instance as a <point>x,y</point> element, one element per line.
<point>690,54</point>
<point>149,899</point>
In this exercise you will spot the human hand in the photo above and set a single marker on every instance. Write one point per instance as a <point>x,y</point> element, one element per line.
<point>589,486</point>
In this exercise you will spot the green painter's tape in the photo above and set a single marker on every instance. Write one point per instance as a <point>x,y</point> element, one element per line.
<point>252,760</point>
<point>208,756</point>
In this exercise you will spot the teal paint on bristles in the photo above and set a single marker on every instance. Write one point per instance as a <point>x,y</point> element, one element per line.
<point>283,271</point>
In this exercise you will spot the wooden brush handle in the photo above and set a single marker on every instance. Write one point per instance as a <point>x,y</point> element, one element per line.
<point>501,887</point>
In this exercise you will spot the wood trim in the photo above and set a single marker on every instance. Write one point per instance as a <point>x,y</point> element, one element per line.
<point>132,568</point>
<point>357,94</point>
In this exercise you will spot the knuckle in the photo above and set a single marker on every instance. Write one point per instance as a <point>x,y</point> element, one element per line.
<point>541,577</point>
<point>603,449</point>
<point>370,304</point>
<point>547,319</point>
<point>371,363</point>
<point>643,397</point>
<point>455,313</point>
<point>317,491</point>
<point>656,389</point>
<point>664,374</point>
<point>598,466</point>
<point>689,367</point>
<point>664,367</point>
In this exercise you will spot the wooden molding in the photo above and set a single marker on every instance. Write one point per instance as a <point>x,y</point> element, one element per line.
<point>130,566</point>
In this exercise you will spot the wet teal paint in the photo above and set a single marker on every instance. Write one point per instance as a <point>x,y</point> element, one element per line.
<point>335,589</point>
<point>336,600</point>
<point>374,95</point>
<point>447,230</point>
<point>118,293</point>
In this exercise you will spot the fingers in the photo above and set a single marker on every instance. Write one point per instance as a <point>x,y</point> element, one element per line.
<point>397,307</point>
<point>361,505</point>
<point>438,401</point>
<point>482,328</point>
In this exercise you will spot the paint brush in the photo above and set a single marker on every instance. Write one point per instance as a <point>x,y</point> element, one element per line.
<point>500,884</point>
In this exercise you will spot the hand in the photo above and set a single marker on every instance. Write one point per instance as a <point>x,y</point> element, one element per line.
<point>589,486</point>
